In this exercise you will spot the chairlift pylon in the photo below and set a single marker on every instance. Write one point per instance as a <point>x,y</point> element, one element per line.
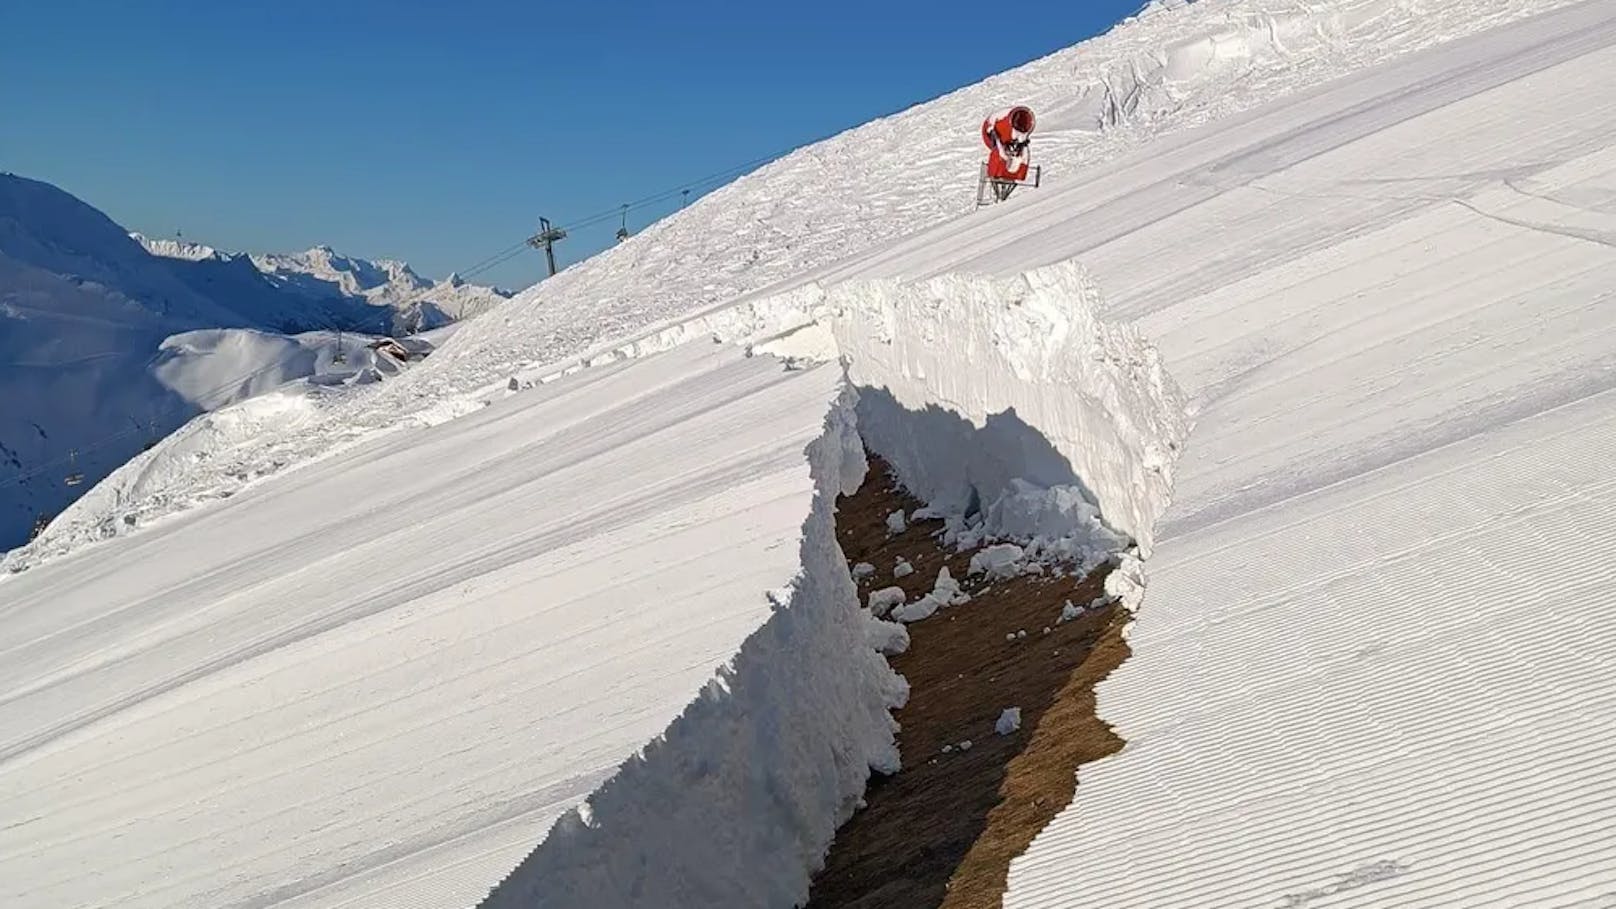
<point>73,478</point>
<point>622,227</point>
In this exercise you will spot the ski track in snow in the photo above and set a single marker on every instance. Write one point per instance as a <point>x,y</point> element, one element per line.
<point>1388,298</point>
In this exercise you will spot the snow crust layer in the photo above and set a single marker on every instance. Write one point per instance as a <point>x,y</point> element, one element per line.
<point>736,803</point>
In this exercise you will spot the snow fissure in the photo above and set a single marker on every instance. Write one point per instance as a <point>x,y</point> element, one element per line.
<point>1018,416</point>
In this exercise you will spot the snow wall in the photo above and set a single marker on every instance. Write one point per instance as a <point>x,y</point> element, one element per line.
<point>982,382</point>
<point>971,388</point>
<point>736,802</point>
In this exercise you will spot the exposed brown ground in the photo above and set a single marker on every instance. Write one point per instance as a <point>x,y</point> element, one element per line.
<point>942,832</point>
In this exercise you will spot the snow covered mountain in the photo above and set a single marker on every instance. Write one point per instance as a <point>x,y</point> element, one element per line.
<point>560,614</point>
<point>176,248</point>
<point>416,302</point>
<point>88,373</point>
<point>403,302</point>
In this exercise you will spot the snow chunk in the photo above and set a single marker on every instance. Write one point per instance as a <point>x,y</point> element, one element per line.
<point>998,561</point>
<point>1009,721</point>
<point>895,523</point>
<point>922,608</point>
<point>882,601</point>
<point>946,592</point>
<point>890,638</point>
<point>1126,583</point>
<point>863,571</point>
<point>903,569</point>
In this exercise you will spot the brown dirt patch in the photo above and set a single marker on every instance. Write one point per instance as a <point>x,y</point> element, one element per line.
<point>942,832</point>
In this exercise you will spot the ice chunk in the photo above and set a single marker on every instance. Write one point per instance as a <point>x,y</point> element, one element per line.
<point>863,571</point>
<point>903,569</point>
<point>1070,612</point>
<point>882,601</point>
<point>1009,721</point>
<point>1001,560</point>
<point>896,523</point>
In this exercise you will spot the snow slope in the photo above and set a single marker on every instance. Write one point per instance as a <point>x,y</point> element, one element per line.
<point>1372,664</point>
<point>1390,300</point>
<point>84,312</point>
<point>1387,298</point>
<point>424,650</point>
<point>800,217</point>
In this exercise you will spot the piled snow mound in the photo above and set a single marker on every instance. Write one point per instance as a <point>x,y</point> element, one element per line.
<point>213,368</point>
<point>736,803</point>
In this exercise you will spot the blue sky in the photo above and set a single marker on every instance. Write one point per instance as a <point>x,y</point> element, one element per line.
<point>439,133</point>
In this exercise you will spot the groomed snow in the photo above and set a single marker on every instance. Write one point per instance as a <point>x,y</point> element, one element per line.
<point>1372,659</point>
<point>738,800</point>
<point>378,680</point>
<point>802,217</point>
<point>1386,297</point>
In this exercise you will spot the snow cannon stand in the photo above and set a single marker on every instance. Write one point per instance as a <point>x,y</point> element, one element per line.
<point>992,190</point>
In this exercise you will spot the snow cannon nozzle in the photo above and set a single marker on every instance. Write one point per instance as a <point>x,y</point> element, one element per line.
<point>1022,120</point>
